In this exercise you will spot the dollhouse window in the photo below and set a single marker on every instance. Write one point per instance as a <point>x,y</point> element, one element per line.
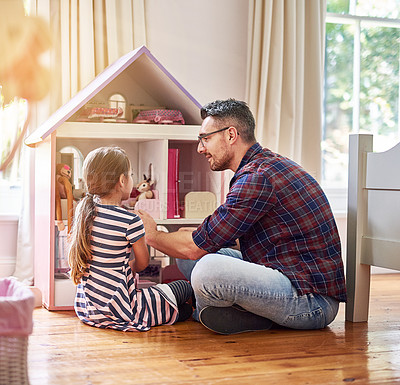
<point>77,164</point>
<point>118,101</point>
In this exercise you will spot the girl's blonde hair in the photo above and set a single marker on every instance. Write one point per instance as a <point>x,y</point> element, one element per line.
<point>102,169</point>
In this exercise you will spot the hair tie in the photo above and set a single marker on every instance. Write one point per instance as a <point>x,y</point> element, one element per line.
<point>89,195</point>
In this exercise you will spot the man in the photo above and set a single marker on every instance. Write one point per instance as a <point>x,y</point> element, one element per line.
<point>289,270</point>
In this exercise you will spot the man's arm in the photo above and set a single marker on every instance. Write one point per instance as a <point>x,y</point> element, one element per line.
<point>178,244</point>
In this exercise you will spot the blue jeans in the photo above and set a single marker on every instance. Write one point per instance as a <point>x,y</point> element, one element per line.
<point>224,279</point>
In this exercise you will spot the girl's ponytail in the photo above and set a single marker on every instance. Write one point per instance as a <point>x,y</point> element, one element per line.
<point>79,252</point>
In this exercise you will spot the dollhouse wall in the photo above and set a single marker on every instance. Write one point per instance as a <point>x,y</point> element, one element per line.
<point>195,173</point>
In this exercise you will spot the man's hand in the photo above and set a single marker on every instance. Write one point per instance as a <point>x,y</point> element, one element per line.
<point>150,225</point>
<point>178,244</point>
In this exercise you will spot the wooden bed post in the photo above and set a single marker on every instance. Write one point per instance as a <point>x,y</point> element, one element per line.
<point>357,274</point>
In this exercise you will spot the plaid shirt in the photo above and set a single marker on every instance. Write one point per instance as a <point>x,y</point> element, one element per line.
<point>283,221</point>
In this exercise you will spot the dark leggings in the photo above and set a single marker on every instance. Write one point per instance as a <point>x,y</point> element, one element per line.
<point>182,291</point>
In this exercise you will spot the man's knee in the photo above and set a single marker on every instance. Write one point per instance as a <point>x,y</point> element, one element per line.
<point>207,270</point>
<point>199,270</point>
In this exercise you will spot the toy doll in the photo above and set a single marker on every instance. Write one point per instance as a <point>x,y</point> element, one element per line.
<point>63,191</point>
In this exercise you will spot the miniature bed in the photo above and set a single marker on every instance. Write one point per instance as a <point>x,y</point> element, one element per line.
<point>373,221</point>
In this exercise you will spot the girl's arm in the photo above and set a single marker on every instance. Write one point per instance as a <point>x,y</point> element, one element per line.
<point>142,257</point>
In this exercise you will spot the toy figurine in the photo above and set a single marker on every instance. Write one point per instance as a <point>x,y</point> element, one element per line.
<point>63,191</point>
<point>144,188</point>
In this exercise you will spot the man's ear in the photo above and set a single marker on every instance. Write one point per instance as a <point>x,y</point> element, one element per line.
<point>233,134</point>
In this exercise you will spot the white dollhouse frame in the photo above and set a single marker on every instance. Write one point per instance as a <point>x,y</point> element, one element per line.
<point>143,81</point>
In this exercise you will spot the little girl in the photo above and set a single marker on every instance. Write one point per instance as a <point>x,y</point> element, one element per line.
<point>103,236</point>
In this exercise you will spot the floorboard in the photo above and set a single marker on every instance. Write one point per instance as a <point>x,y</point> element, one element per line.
<point>63,351</point>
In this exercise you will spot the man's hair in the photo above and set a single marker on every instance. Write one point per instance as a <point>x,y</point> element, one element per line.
<point>233,112</point>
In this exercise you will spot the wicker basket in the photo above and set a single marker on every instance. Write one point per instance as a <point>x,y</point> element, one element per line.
<point>16,307</point>
<point>13,360</point>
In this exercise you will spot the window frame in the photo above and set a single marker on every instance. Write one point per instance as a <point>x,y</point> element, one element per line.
<point>336,195</point>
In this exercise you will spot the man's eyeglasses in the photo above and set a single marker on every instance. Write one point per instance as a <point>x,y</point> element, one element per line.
<point>202,136</point>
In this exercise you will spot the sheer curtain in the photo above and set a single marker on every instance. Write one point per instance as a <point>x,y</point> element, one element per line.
<point>87,37</point>
<point>285,77</point>
<point>93,34</point>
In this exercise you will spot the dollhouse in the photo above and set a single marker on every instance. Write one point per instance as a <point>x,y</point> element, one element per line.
<point>113,110</point>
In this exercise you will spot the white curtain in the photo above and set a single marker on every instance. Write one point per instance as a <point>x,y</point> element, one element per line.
<point>285,77</point>
<point>88,36</point>
<point>93,34</point>
<point>25,242</point>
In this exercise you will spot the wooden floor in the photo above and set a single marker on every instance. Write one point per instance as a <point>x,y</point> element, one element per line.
<point>64,351</point>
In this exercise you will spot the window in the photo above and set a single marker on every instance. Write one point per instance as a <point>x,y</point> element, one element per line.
<point>361,81</point>
<point>12,119</point>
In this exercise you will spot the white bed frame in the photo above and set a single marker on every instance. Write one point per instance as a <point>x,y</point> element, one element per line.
<point>373,219</point>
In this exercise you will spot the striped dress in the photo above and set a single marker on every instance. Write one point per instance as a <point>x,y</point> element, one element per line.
<point>107,297</point>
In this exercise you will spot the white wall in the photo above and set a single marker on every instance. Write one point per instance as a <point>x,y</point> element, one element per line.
<point>203,44</point>
<point>8,244</point>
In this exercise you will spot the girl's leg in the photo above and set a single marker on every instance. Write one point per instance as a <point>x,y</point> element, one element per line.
<point>220,281</point>
<point>182,291</point>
